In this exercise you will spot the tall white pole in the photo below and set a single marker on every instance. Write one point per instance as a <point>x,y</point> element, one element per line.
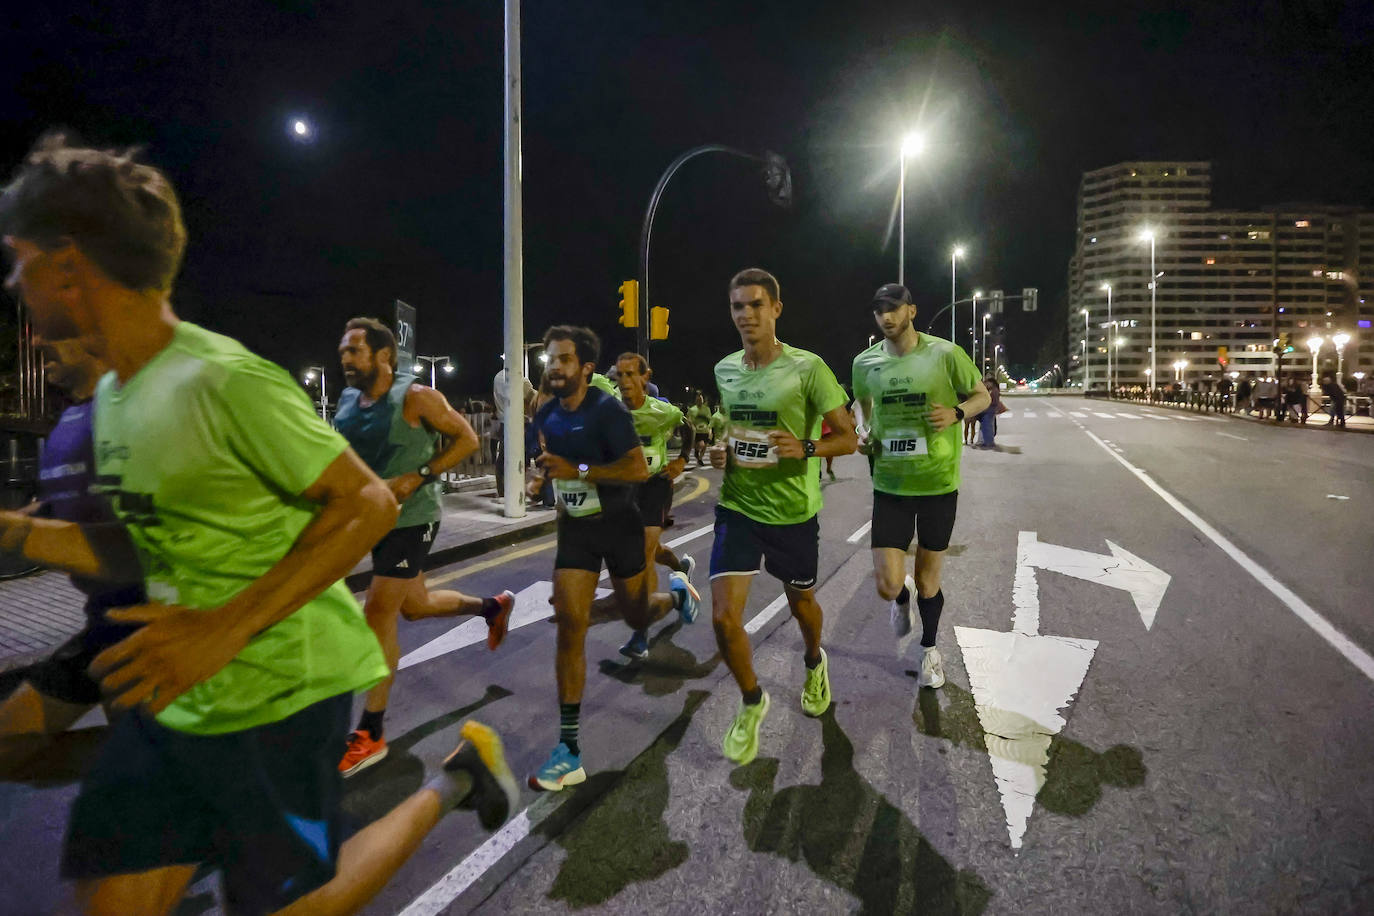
<point>1087,370</point>
<point>1154,282</point>
<point>513,442</point>
<point>901,221</point>
<point>953,310</point>
<point>1111,342</point>
<point>973,348</point>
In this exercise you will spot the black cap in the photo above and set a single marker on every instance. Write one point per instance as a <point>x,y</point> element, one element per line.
<point>893,293</point>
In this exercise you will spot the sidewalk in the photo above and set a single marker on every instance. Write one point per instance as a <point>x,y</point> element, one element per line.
<point>41,611</point>
<point>1315,421</point>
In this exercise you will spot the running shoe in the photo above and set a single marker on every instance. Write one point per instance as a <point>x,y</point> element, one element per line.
<point>362,753</point>
<point>815,697</point>
<point>498,625</point>
<point>741,743</point>
<point>638,646</point>
<point>901,612</point>
<point>689,565</point>
<point>564,768</point>
<point>494,792</point>
<point>685,596</point>
<point>932,670</point>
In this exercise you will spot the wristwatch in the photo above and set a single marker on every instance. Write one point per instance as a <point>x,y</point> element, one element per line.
<point>809,448</point>
<point>959,412</point>
<point>426,473</point>
<point>582,470</point>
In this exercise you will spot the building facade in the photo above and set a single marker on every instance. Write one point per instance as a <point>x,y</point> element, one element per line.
<point>1227,279</point>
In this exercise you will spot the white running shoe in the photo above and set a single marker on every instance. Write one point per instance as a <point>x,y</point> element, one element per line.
<point>932,670</point>
<point>901,614</point>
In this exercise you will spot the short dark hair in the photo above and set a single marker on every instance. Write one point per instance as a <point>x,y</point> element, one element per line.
<point>638,358</point>
<point>757,276</point>
<point>121,214</point>
<point>377,335</point>
<point>585,341</point>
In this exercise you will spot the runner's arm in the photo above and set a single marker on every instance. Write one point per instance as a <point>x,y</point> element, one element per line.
<point>430,407</point>
<point>93,551</point>
<point>942,417</point>
<point>628,468</point>
<point>180,647</point>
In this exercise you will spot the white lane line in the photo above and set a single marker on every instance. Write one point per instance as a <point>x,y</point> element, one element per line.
<point>1304,612</point>
<point>767,614</point>
<point>857,536</point>
<point>1335,496</point>
<point>1030,414</point>
<point>1231,436</point>
<point>1187,419</point>
<point>1105,416</point>
<point>1130,416</point>
<point>1078,415</point>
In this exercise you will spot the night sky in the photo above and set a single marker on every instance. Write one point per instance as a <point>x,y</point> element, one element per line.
<point>399,196</point>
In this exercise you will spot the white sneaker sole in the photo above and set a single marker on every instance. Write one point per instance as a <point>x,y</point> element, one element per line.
<point>367,762</point>
<point>573,778</point>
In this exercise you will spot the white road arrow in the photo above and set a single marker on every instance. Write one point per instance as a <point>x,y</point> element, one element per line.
<point>1123,570</point>
<point>531,604</point>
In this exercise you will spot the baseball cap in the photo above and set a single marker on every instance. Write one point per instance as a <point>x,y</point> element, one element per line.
<point>893,293</point>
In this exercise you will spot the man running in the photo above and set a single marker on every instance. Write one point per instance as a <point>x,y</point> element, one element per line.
<point>245,510</point>
<point>699,415</point>
<point>58,691</point>
<point>913,390</point>
<point>654,421</point>
<point>594,458</point>
<point>395,425</point>
<point>774,397</point>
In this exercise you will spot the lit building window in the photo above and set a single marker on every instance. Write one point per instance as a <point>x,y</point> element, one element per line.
<point>1335,275</point>
<point>1301,224</point>
<point>1197,335</point>
<point>1211,260</point>
<point>1316,273</point>
<point>1258,235</point>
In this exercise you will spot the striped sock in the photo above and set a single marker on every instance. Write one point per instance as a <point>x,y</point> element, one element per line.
<point>568,714</point>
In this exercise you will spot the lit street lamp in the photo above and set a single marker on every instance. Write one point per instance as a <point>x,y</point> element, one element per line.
<point>1314,343</point>
<point>1148,235</point>
<point>973,350</point>
<point>1086,374</point>
<point>983,360</point>
<point>432,360</point>
<point>913,144</point>
<point>954,257</point>
<point>1111,380</point>
<point>1340,340</point>
<point>310,373</point>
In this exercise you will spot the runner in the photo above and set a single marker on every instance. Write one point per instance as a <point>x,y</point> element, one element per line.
<point>654,420</point>
<point>774,397</point>
<point>395,424</point>
<point>58,691</point>
<point>913,390</point>
<point>699,415</point>
<point>245,510</point>
<point>594,458</point>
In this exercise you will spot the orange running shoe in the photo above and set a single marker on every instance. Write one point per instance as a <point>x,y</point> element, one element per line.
<point>498,625</point>
<point>362,753</point>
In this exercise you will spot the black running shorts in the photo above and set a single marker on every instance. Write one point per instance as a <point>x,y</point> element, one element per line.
<point>64,675</point>
<point>401,554</point>
<point>613,536</point>
<point>261,805</point>
<point>789,552</point>
<point>897,518</point>
<point>654,499</point>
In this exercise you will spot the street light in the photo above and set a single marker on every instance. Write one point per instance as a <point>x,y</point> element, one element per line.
<point>954,257</point>
<point>1148,235</point>
<point>310,373</point>
<point>1086,364</point>
<point>1340,340</point>
<point>913,144</point>
<point>432,360</point>
<point>973,350</point>
<point>1111,380</point>
<point>983,358</point>
<point>1314,343</point>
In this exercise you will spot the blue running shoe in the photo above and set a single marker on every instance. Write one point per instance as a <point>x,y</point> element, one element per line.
<point>638,646</point>
<point>564,768</point>
<point>684,596</point>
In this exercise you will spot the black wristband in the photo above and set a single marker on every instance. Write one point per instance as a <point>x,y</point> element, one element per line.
<point>959,411</point>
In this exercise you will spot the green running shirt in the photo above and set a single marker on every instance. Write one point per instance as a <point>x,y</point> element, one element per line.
<point>392,447</point>
<point>912,459</point>
<point>791,393</point>
<point>654,420</point>
<point>203,454</point>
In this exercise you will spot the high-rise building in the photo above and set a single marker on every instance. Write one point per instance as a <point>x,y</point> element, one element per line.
<point>1228,282</point>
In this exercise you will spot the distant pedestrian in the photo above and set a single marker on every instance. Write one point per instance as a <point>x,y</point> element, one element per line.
<point>1224,394</point>
<point>1294,403</point>
<point>1335,396</point>
<point>1243,389</point>
<point>987,420</point>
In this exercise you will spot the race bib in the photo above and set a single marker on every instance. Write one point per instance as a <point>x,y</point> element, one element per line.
<point>752,448</point>
<point>904,444</point>
<point>577,497</point>
<point>654,461</point>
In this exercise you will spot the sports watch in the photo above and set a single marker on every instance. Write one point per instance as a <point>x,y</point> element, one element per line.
<point>959,411</point>
<point>809,448</point>
<point>426,473</point>
<point>582,470</point>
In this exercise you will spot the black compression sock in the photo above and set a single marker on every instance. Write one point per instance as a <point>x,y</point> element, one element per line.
<point>371,722</point>
<point>753,697</point>
<point>904,595</point>
<point>490,608</point>
<point>568,716</point>
<point>812,663</point>
<point>930,616</point>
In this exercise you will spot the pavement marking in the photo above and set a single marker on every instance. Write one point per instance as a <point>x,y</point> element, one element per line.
<point>1130,416</point>
<point>1105,416</point>
<point>1029,414</point>
<point>1304,611</point>
<point>1078,415</point>
<point>767,614</point>
<point>1186,419</point>
<point>1231,436</point>
<point>689,536</point>
<point>857,536</point>
<point>1334,496</point>
<point>1119,569</point>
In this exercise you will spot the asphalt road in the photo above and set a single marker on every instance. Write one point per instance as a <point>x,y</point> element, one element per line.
<point>1141,728</point>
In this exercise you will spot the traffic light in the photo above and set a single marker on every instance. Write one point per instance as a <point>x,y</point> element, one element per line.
<point>658,323</point>
<point>1283,343</point>
<point>629,303</point>
<point>1223,357</point>
<point>1029,297</point>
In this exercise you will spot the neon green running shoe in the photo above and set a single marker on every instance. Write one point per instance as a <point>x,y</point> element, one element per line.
<point>741,743</point>
<point>815,698</point>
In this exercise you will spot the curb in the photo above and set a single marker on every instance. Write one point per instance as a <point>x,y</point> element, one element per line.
<point>1233,415</point>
